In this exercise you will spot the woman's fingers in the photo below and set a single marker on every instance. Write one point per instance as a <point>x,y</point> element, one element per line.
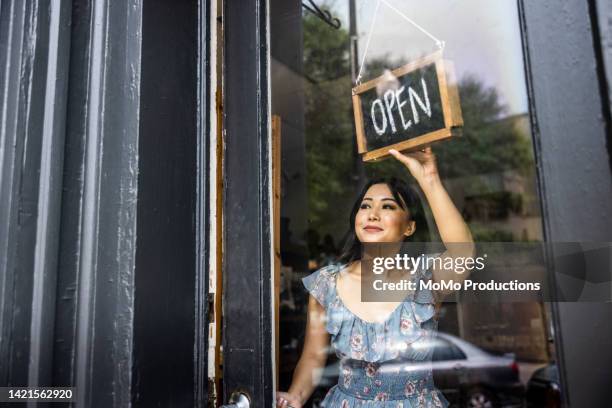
<point>423,154</point>
<point>281,401</point>
<point>420,155</point>
<point>285,400</point>
<point>399,156</point>
<point>409,161</point>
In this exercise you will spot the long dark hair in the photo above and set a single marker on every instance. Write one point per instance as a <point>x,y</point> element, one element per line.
<point>406,198</point>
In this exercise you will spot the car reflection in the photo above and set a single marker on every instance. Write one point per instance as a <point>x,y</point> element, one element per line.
<point>467,375</point>
<point>543,388</point>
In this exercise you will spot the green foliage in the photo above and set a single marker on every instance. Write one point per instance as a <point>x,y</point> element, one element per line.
<point>329,154</point>
<point>328,123</point>
<point>485,234</point>
<point>326,51</point>
<point>488,144</point>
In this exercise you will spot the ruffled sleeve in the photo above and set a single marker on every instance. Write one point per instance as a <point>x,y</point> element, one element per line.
<point>321,284</point>
<point>423,301</point>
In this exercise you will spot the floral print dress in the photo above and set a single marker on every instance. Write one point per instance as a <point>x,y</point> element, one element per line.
<point>383,364</point>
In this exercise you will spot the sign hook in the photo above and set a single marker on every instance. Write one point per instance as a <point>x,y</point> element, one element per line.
<point>322,14</point>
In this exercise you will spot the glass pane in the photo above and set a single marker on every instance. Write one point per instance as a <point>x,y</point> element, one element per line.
<point>488,172</point>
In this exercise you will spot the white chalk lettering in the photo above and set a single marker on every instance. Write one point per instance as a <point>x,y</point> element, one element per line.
<point>426,106</point>
<point>379,129</point>
<point>401,103</point>
<point>389,102</point>
<point>383,108</point>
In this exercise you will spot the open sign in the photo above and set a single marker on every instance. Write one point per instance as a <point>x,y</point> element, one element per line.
<point>407,108</point>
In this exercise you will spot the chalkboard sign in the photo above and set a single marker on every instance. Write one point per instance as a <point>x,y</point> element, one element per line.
<point>407,108</point>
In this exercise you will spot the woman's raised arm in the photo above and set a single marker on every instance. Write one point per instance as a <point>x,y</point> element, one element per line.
<point>450,223</point>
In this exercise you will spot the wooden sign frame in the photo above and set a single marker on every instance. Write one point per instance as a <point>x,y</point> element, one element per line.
<point>451,108</point>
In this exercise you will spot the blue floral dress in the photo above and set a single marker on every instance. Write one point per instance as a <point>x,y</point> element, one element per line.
<point>382,364</point>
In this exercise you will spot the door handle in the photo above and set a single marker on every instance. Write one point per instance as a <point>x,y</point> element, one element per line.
<point>238,400</point>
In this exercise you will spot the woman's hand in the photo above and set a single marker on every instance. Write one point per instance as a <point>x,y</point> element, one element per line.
<point>286,400</point>
<point>421,164</point>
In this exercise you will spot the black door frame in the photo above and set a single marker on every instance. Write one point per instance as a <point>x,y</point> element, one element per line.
<point>247,256</point>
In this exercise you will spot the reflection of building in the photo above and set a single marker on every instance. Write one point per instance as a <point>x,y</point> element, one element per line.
<point>499,206</point>
<point>509,327</point>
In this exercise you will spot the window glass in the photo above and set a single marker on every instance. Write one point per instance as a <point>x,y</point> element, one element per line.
<point>489,172</point>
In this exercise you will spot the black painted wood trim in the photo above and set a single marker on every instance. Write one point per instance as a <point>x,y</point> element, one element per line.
<point>247,300</point>
<point>95,315</point>
<point>34,46</point>
<point>203,205</point>
<point>165,305</point>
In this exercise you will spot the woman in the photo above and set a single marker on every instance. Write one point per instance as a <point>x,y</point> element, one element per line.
<point>381,363</point>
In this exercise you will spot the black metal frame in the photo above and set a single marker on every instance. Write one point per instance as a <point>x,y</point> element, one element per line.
<point>570,134</point>
<point>324,15</point>
<point>247,297</point>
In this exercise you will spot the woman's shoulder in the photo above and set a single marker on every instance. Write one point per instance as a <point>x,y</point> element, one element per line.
<point>325,273</point>
<point>321,283</point>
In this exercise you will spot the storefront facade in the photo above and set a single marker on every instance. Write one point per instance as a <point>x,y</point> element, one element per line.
<point>148,201</point>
